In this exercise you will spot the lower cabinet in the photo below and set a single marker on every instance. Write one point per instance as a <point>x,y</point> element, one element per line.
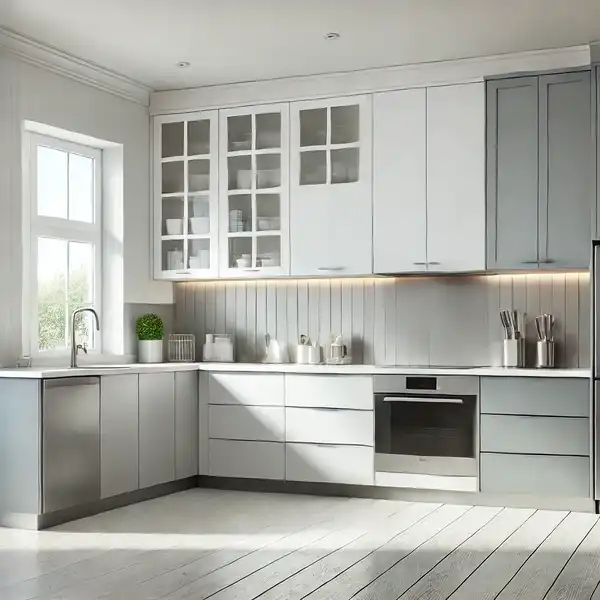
<point>330,463</point>
<point>253,423</point>
<point>157,428</point>
<point>255,460</point>
<point>186,424</point>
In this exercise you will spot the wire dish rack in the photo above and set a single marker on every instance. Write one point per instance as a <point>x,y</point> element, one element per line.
<point>182,347</point>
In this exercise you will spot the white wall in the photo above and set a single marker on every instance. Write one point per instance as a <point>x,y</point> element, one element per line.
<point>31,93</point>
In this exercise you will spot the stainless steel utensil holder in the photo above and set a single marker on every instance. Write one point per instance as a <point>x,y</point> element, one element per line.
<point>544,355</point>
<point>514,353</point>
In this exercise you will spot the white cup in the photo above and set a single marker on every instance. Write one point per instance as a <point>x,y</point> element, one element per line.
<point>174,226</point>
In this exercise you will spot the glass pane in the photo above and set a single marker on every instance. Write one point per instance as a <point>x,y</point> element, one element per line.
<point>268,249</point>
<point>268,171</point>
<point>268,131</point>
<point>199,254</point>
<point>172,139</point>
<point>198,137</point>
<point>81,188</point>
<point>239,133</point>
<point>268,212</point>
<point>313,167</point>
<point>172,178</point>
<point>345,124</point>
<point>81,291</point>
<point>240,172</point>
<point>313,127</point>
<point>240,213</point>
<point>344,165</point>
<point>172,216</point>
<point>199,215</point>
<point>240,253</point>
<point>199,174</point>
<point>52,294</point>
<point>172,255</point>
<point>52,182</point>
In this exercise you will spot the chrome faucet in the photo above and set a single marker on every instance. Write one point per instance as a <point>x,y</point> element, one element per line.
<point>76,347</point>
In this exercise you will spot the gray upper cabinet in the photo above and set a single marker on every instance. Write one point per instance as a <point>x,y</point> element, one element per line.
<point>540,195</point>
<point>186,424</point>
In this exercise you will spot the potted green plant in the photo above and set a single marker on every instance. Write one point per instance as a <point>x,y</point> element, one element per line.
<point>150,332</point>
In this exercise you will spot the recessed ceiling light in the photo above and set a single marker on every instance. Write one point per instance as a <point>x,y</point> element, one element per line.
<point>183,64</point>
<point>332,35</point>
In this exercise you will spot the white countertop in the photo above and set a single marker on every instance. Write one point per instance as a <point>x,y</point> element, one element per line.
<point>85,371</point>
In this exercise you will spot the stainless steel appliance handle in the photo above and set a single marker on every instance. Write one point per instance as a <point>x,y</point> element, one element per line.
<point>430,400</point>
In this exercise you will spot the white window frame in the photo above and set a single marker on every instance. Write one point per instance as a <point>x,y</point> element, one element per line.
<point>36,226</point>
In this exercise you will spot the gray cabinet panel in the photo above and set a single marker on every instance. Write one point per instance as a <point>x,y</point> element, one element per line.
<point>566,177</point>
<point>186,424</point>
<point>567,476</point>
<point>157,428</point>
<point>532,396</point>
<point>118,434</point>
<point>535,435</point>
<point>512,173</point>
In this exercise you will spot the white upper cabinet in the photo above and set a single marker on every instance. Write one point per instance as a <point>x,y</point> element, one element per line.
<point>429,179</point>
<point>254,191</point>
<point>185,196</point>
<point>331,194</point>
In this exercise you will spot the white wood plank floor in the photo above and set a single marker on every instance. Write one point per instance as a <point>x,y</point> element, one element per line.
<point>239,546</point>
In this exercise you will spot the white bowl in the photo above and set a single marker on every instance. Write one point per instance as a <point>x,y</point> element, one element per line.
<point>200,225</point>
<point>244,263</point>
<point>269,262</point>
<point>268,223</point>
<point>174,226</point>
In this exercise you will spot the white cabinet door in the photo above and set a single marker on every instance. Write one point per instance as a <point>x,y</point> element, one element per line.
<point>249,389</point>
<point>254,460</point>
<point>254,423</point>
<point>329,391</point>
<point>400,181</point>
<point>186,196</point>
<point>331,228</point>
<point>330,464</point>
<point>254,191</point>
<point>456,178</point>
<point>186,424</point>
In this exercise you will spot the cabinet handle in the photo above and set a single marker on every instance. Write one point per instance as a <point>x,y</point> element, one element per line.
<point>251,270</point>
<point>530,262</point>
<point>331,268</point>
<point>182,272</point>
<point>420,264</point>
<point>434,263</point>
<point>547,261</point>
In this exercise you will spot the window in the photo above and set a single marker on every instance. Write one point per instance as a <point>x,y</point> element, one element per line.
<point>63,269</point>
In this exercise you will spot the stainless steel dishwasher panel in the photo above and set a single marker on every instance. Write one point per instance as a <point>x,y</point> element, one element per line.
<point>70,442</point>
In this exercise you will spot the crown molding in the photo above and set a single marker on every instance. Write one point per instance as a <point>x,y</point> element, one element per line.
<point>62,63</point>
<point>466,70</point>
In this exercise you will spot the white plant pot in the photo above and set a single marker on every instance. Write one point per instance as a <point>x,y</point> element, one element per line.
<point>150,351</point>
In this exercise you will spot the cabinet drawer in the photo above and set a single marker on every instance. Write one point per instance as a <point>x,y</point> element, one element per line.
<point>264,423</point>
<point>328,463</point>
<point>527,474</point>
<point>533,396</point>
<point>329,426</point>
<point>250,389</point>
<point>254,460</point>
<point>333,391</point>
<point>535,435</point>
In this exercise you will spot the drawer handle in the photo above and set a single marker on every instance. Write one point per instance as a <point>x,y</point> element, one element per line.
<point>330,268</point>
<point>425,400</point>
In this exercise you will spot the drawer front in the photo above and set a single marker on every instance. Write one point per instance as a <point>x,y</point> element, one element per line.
<point>535,435</point>
<point>567,476</point>
<point>329,426</point>
<point>254,460</point>
<point>535,396</point>
<point>330,391</point>
<point>330,464</point>
<point>249,389</point>
<point>261,423</point>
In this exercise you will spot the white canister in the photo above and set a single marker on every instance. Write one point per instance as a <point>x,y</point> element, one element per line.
<point>174,226</point>
<point>150,351</point>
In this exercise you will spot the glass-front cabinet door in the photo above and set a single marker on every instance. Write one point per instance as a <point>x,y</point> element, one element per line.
<point>254,191</point>
<point>186,196</point>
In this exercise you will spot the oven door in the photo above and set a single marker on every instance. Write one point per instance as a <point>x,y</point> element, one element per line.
<point>433,435</point>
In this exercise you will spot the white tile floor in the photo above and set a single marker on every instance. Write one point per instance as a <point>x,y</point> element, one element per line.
<point>239,546</point>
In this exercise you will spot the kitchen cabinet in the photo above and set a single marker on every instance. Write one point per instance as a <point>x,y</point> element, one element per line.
<point>186,424</point>
<point>249,389</point>
<point>253,423</point>
<point>329,391</point>
<point>186,196</point>
<point>540,177</point>
<point>247,459</point>
<point>331,227</point>
<point>118,434</point>
<point>156,428</point>
<point>429,179</point>
<point>254,191</point>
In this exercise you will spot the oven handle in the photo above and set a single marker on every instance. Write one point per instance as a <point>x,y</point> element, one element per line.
<point>435,400</point>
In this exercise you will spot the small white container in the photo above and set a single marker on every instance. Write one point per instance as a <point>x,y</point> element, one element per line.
<point>243,263</point>
<point>205,259</point>
<point>195,262</point>
<point>175,260</point>
<point>174,226</point>
<point>150,351</point>
<point>200,225</point>
<point>244,179</point>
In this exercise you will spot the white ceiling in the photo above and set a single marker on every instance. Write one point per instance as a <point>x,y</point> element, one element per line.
<point>242,40</point>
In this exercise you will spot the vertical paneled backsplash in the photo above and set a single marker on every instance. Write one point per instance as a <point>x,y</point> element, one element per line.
<point>442,321</point>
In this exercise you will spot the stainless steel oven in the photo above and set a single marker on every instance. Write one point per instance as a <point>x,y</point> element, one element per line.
<point>427,426</point>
